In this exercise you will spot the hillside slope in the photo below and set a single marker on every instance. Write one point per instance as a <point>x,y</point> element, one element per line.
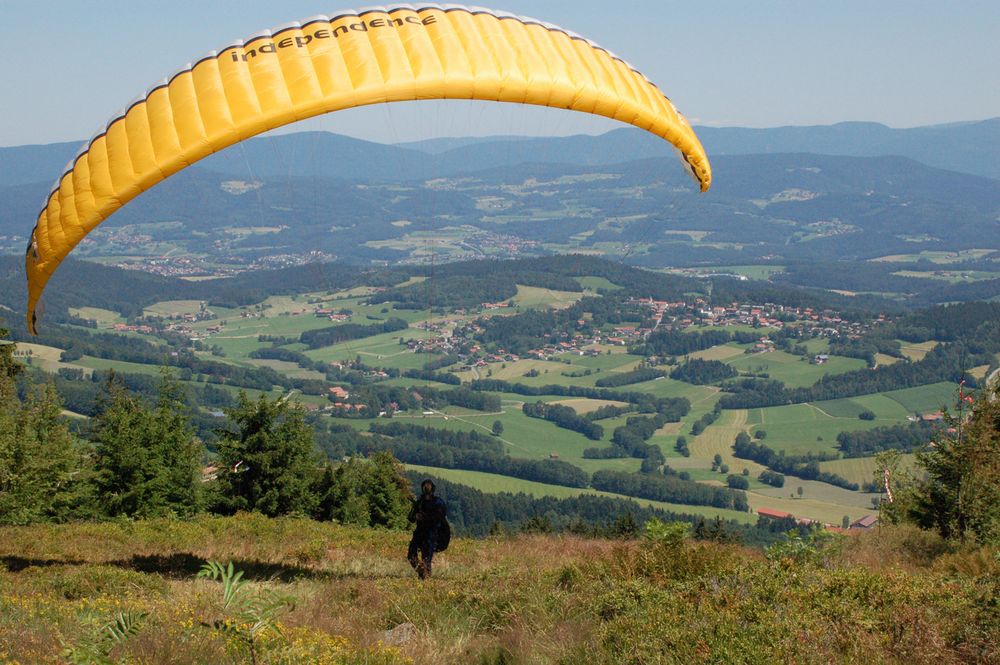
<point>520,599</point>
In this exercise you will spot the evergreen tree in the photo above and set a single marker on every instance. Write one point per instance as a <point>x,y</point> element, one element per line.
<point>270,462</point>
<point>372,492</point>
<point>9,367</point>
<point>40,460</point>
<point>960,495</point>
<point>497,428</point>
<point>147,459</point>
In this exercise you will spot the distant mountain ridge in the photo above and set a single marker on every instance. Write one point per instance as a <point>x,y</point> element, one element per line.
<point>968,147</point>
<point>792,206</point>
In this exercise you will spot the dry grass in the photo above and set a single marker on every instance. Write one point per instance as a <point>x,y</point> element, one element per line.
<point>520,599</point>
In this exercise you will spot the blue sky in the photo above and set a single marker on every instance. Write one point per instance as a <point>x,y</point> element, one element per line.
<point>754,63</point>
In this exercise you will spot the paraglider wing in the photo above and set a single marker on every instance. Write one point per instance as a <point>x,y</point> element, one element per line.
<point>324,64</point>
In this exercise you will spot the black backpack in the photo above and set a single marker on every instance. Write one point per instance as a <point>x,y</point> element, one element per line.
<point>443,536</point>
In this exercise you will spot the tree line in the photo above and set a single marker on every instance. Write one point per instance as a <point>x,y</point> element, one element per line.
<point>477,513</point>
<point>803,466</point>
<point>700,372</point>
<point>946,362</point>
<point>320,337</point>
<point>904,438</point>
<point>141,459</point>
<point>565,417</point>
<point>469,451</point>
<point>672,489</point>
<point>627,378</point>
<point>676,407</point>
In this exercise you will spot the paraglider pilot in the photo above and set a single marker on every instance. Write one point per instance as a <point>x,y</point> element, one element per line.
<point>428,512</point>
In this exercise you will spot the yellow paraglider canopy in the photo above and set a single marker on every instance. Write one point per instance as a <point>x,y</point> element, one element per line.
<point>324,64</point>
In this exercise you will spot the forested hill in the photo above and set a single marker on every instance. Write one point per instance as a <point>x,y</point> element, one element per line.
<point>468,283</point>
<point>969,147</point>
<point>87,284</point>
<point>762,207</point>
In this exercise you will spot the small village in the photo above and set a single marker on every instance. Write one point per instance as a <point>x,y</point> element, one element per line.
<point>448,337</point>
<point>456,333</point>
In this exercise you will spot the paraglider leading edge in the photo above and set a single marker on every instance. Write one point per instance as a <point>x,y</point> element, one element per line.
<point>328,63</point>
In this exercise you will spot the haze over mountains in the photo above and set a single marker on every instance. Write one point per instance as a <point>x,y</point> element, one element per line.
<point>780,196</point>
<point>970,147</point>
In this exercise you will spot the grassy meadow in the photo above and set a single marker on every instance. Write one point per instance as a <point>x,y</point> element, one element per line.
<point>348,597</point>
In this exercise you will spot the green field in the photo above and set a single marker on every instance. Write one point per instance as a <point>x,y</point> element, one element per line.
<point>863,469</point>
<point>289,369</point>
<point>757,272</point>
<point>819,501</point>
<point>490,482</point>
<point>794,371</point>
<point>940,257</point>
<point>533,297</point>
<point>282,316</point>
<point>667,387</point>
<point>105,318</point>
<point>722,352</point>
<point>799,429</point>
<point>524,436</point>
<point>118,366</point>
<point>381,350</point>
<point>796,429</point>
<point>923,399</point>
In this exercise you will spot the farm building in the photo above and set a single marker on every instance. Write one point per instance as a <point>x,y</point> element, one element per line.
<point>866,522</point>
<point>774,514</point>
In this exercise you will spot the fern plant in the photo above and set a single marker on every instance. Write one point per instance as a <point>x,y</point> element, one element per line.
<point>247,616</point>
<point>97,649</point>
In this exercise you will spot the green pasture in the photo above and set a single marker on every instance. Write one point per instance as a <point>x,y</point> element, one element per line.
<point>524,436</point>
<point>529,437</point>
<point>118,366</point>
<point>940,257</point>
<point>491,482</point>
<point>799,429</point>
<point>722,352</point>
<point>863,469</point>
<point>951,276</point>
<point>698,327</point>
<point>584,405</point>
<point>168,308</point>
<point>817,345</point>
<point>794,371</point>
<point>289,369</point>
<point>884,408</point>
<point>237,345</point>
<point>820,501</point>
<point>667,387</point>
<point>403,382</point>
<point>399,358</point>
<point>290,316</point>
<point>534,297</point>
<point>370,348</point>
<point>667,435</point>
<point>105,318</point>
<point>758,272</point>
<point>603,362</point>
<point>924,399</point>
